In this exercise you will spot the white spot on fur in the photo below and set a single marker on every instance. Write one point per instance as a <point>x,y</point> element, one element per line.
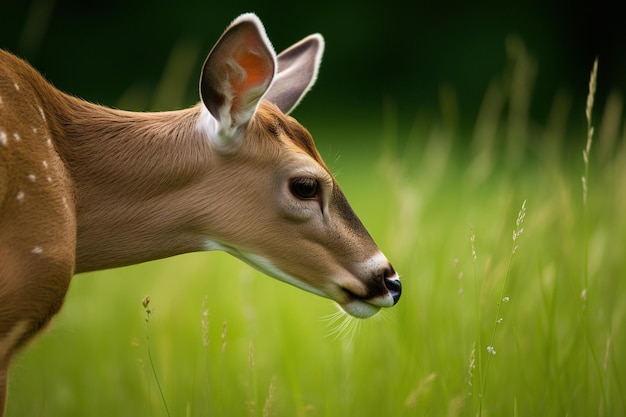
<point>43,115</point>
<point>45,164</point>
<point>20,196</point>
<point>49,142</point>
<point>32,177</point>
<point>35,130</point>
<point>378,261</point>
<point>7,344</point>
<point>17,86</point>
<point>49,179</point>
<point>3,138</point>
<point>37,250</point>
<point>17,137</point>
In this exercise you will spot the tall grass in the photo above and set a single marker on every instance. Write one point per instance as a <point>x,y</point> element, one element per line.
<point>503,299</point>
<point>265,348</point>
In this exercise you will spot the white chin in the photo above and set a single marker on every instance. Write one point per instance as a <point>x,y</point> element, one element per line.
<point>359,309</point>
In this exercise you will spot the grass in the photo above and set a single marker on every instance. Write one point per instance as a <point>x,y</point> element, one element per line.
<point>146,306</point>
<point>227,341</point>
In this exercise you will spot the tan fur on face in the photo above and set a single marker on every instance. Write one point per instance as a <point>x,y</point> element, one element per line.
<point>329,244</point>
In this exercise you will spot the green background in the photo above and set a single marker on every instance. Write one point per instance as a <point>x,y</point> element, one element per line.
<point>401,51</point>
<point>439,119</point>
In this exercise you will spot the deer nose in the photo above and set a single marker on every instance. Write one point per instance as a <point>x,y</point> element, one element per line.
<point>393,284</point>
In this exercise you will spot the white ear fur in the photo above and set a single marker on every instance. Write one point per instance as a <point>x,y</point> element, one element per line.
<point>236,74</point>
<point>298,67</point>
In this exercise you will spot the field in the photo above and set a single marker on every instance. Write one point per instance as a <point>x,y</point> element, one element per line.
<point>513,301</point>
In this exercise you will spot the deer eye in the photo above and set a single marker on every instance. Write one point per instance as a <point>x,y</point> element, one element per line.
<point>305,188</point>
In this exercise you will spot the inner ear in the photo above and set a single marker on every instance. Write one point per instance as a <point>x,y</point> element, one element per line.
<point>298,67</point>
<point>237,73</point>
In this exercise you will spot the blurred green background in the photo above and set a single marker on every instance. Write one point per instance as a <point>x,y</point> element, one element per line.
<point>413,54</point>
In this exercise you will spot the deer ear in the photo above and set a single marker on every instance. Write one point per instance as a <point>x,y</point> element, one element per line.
<point>297,71</point>
<point>236,74</point>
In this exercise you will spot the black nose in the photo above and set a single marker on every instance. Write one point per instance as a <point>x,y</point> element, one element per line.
<point>393,285</point>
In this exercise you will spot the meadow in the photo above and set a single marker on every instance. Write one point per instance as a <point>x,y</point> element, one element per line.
<point>513,290</point>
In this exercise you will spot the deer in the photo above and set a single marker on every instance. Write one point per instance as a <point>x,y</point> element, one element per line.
<point>85,187</point>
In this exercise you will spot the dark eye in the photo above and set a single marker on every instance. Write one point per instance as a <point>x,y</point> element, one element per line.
<point>304,188</point>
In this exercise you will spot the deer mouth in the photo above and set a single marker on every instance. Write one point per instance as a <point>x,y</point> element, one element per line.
<point>359,308</point>
<point>362,307</point>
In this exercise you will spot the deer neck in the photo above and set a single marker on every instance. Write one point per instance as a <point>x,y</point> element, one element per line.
<point>129,171</point>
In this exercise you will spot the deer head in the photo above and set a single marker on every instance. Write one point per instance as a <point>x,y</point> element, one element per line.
<point>281,209</point>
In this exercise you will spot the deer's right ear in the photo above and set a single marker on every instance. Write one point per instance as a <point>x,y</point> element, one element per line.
<point>236,74</point>
<point>298,66</point>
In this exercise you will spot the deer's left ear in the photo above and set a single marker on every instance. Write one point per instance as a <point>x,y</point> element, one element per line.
<point>298,67</point>
<point>236,74</point>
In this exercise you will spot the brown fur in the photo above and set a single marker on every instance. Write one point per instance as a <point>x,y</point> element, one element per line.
<point>84,187</point>
<point>37,216</point>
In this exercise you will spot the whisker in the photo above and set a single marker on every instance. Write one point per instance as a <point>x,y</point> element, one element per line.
<point>341,325</point>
